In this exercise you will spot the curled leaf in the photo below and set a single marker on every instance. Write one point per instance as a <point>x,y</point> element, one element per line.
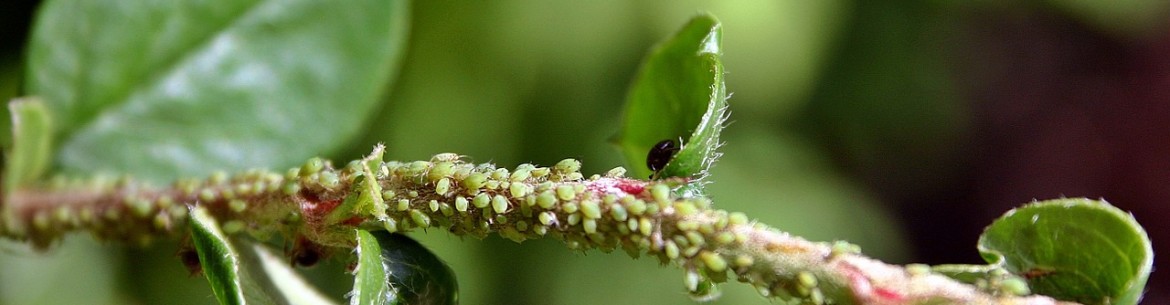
<point>1073,249</point>
<point>678,95</point>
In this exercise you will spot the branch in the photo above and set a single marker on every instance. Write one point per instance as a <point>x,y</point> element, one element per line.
<point>322,205</point>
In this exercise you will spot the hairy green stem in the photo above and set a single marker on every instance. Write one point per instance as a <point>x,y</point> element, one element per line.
<point>322,205</point>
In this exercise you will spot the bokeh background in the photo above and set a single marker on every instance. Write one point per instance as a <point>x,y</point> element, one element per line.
<point>902,126</point>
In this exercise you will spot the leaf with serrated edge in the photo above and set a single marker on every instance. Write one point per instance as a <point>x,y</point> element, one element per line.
<point>679,93</point>
<point>1073,249</point>
<point>371,284</point>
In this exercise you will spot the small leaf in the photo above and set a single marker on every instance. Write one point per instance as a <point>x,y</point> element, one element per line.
<point>1073,249</point>
<point>678,94</point>
<point>162,89</point>
<point>242,272</point>
<point>371,283</point>
<point>32,138</point>
<point>415,275</point>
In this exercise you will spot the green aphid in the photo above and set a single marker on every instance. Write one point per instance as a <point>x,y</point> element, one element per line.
<point>412,194</point>
<point>520,174</point>
<point>565,192</point>
<point>918,269</point>
<point>206,195</point>
<point>540,230</point>
<point>491,184</point>
<point>618,212</point>
<point>521,226</point>
<point>724,238</point>
<point>518,190</point>
<point>387,195</point>
<point>567,166</point>
<point>695,238</point>
<point>1015,286</point>
<point>636,207</point>
<point>692,251</point>
<point>687,225</point>
<point>499,204</point>
<point>714,261</point>
<point>290,188</point>
<point>233,226</point>
<point>547,218</point>
<point>446,209</point>
<point>691,280</point>
<point>806,279</point>
<point>685,208</point>
<point>660,192</point>
<point>442,186</point>
<point>546,200</point>
<point>573,219</point>
<point>632,223</point>
<point>390,224</point>
<point>329,180</point>
<point>706,228</point>
<point>162,222</point>
<point>589,225</point>
<point>623,230</point>
<point>816,297</point>
<point>440,170</point>
<point>681,241</point>
<point>403,205</point>
<point>590,209</point>
<point>501,219</point>
<point>737,218</point>
<point>461,204</point>
<point>570,207</point>
<point>540,172</point>
<point>474,181</point>
<point>140,208</point>
<point>744,261</point>
<point>434,205</point>
<point>63,214</point>
<point>499,174</point>
<point>671,250</point>
<point>420,219</point>
<point>481,201</point>
<point>645,226</point>
<point>218,177</point>
<point>237,205</point>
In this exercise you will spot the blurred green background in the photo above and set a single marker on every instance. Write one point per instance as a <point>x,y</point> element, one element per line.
<point>902,126</point>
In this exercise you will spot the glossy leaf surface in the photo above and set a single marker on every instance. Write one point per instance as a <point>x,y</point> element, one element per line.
<point>160,89</point>
<point>1073,249</point>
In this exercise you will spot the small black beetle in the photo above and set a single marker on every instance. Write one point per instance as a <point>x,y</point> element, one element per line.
<point>661,154</point>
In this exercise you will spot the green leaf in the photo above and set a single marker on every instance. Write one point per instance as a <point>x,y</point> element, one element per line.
<point>1073,249</point>
<point>395,269</point>
<point>32,138</point>
<point>678,94</point>
<point>161,88</point>
<point>371,283</point>
<point>242,272</point>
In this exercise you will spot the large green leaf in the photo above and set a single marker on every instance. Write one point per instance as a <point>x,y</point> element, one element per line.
<point>1073,249</point>
<point>242,272</point>
<point>161,88</point>
<point>678,94</point>
<point>395,269</point>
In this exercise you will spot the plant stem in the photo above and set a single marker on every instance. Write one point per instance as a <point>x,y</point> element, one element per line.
<point>323,205</point>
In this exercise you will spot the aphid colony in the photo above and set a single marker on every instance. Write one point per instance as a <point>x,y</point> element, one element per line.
<point>602,212</point>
